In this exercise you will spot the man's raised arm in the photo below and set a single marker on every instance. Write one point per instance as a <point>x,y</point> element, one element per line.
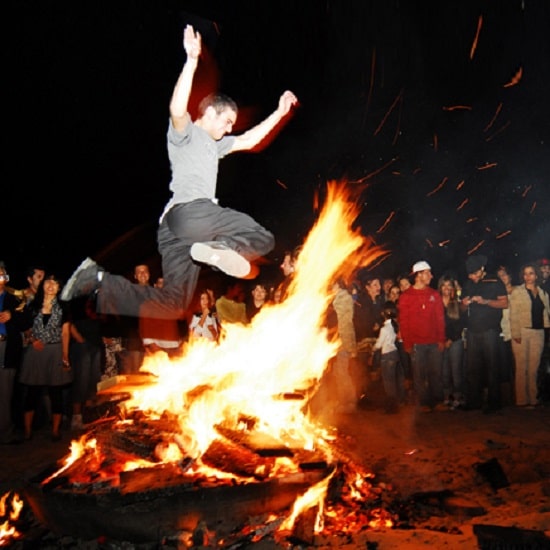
<point>258,133</point>
<point>182,90</point>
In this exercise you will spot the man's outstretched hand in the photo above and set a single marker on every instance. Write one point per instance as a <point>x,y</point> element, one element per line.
<point>192,42</point>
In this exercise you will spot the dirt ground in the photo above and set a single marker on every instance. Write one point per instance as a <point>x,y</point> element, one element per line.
<point>446,464</point>
<point>459,453</point>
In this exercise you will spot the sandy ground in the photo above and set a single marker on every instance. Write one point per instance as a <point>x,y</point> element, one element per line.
<point>458,452</point>
<point>429,459</point>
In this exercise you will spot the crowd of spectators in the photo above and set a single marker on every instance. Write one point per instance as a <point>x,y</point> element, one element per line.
<point>410,339</point>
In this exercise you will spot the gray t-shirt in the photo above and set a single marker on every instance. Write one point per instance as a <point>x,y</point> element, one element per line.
<point>194,157</point>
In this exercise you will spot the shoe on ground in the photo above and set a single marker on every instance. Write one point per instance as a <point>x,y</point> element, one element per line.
<point>84,281</point>
<point>440,407</point>
<point>219,255</point>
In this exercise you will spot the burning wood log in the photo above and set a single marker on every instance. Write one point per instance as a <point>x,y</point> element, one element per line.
<point>227,456</point>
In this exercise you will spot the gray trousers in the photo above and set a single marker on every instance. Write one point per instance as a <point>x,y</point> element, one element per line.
<point>184,224</point>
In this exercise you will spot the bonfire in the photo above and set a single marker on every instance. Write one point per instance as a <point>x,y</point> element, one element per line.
<point>226,430</point>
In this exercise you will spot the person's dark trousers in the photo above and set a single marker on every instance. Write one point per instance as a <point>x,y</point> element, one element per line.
<point>482,369</point>
<point>184,224</point>
<point>427,365</point>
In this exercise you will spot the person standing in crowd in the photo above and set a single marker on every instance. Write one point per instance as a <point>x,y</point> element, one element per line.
<point>230,307</point>
<point>45,361</point>
<point>160,334</point>
<point>86,351</point>
<point>544,269</point>
<point>193,228</point>
<point>35,275</point>
<point>367,320</point>
<point>288,268</point>
<point>506,356</point>
<point>403,282</point>
<point>204,322</point>
<point>422,325</point>
<point>11,346</point>
<point>344,391</point>
<point>529,316</point>
<point>387,283</point>
<point>133,350</point>
<point>483,299</point>
<point>394,293</point>
<point>257,299</point>
<point>544,367</point>
<point>393,376</point>
<point>453,354</point>
<point>368,317</point>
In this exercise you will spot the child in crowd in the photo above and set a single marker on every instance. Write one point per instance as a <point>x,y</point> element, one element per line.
<point>393,377</point>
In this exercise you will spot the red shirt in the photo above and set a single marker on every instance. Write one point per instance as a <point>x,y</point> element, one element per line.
<point>421,317</point>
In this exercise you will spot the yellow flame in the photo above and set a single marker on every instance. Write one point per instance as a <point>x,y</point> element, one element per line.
<point>284,350</point>
<point>314,496</point>
<point>12,509</point>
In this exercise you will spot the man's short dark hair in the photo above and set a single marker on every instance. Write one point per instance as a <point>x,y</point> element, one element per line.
<point>219,102</point>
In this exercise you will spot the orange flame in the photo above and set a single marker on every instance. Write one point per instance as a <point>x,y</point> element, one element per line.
<point>314,496</point>
<point>10,511</point>
<point>247,372</point>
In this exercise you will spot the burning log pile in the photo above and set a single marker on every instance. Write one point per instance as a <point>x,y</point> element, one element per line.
<point>121,485</point>
<point>224,433</point>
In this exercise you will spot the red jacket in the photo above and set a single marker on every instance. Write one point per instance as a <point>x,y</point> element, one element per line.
<point>421,317</point>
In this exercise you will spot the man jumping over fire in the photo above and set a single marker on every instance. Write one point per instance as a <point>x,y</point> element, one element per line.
<point>193,228</point>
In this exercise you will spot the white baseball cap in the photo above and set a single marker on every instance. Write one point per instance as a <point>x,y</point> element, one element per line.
<point>421,266</point>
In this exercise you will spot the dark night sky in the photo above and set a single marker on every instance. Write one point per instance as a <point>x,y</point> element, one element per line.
<point>88,86</point>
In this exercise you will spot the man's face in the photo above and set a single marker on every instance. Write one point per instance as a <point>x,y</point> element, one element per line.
<point>425,276</point>
<point>476,276</point>
<point>141,273</point>
<point>220,124</point>
<point>545,271</point>
<point>36,279</point>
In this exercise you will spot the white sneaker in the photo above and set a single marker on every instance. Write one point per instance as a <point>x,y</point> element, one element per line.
<point>218,254</point>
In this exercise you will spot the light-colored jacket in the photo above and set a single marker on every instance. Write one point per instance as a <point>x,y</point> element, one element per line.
<point>520,310</point>
<point>343,306</point>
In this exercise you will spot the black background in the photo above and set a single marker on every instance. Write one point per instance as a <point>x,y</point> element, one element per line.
<point>87,87</point>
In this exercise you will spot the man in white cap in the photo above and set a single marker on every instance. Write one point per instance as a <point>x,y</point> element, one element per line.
<point>422,326</point>
<point>484,298</point>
